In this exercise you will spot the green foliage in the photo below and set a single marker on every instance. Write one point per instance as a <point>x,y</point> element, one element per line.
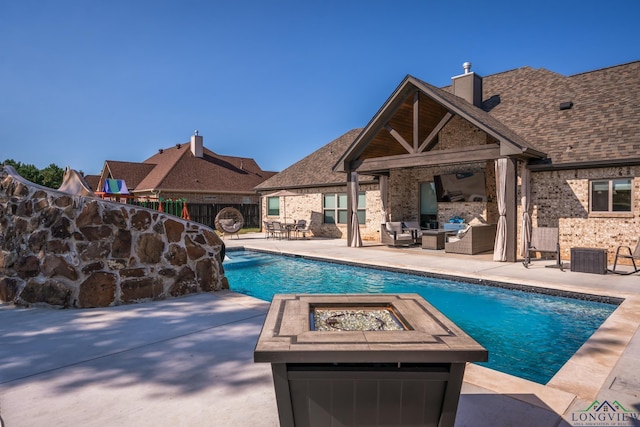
<point>51,176</point>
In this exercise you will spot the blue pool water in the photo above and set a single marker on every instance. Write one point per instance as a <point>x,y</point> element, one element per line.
<point>527,334</point>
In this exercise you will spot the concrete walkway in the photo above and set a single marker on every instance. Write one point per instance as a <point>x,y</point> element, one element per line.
<point>189,361</point>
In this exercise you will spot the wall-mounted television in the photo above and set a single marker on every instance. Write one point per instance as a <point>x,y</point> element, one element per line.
<point>461,187</point>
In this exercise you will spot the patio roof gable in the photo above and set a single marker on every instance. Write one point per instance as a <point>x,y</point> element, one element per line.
<point>406,129</point>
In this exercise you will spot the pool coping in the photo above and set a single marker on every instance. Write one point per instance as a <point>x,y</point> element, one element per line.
<point>580,378</point>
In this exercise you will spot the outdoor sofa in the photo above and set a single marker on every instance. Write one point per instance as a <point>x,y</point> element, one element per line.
<point>474,239</point>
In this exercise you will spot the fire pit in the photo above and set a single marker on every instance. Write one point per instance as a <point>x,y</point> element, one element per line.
<point>385,359</point>
<point>348,318</point>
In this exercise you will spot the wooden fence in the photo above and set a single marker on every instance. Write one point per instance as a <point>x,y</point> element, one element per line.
<point>204,213</point>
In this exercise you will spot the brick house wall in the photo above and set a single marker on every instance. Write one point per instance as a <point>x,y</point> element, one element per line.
<point>404,191</point>
<point>404,194</point>
<point>404,184</point>
<point>308,206</point>
<point>561,199</point>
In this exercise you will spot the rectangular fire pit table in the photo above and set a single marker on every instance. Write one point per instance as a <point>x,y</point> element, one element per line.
<point>364,359</point>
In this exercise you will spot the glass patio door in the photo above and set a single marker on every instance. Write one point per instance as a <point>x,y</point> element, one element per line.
<point>428,205</point>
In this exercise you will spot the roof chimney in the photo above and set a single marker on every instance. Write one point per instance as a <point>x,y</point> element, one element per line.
<point>196,145</point>
<point>468,86</point>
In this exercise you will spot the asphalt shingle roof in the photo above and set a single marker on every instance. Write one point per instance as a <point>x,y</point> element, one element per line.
<point>177,169</point>
<point>521,107</point>
<point>485,117</point>
<point>316,168</point>
<point>131,173</point>
<point>603,124</point>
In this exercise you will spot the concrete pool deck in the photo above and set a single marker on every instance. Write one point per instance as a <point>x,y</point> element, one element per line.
<point>189,361</point>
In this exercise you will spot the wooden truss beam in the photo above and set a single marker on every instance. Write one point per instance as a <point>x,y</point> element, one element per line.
<point>394,133</point>
<point>430,158</point>
<point>416,121</point>
<point>430,140</point>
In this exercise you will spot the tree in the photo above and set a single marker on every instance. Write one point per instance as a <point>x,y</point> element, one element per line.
<point>30,173</point>
<point>51,176</point>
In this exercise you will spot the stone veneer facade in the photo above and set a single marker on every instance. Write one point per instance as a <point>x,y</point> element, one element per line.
<point>404,194</point>
<point>309,206</point>
<point>62,250</point>
<point>561,199</point>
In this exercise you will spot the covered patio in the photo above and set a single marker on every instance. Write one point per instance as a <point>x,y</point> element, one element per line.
<point>422,132</point>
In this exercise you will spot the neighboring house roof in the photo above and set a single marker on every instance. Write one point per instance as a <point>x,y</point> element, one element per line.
<point>132,173</point>
<point>93,181</point>
<point>177,169</point>
<point>315,169</point>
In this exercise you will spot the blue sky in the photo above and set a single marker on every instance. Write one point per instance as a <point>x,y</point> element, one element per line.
<point>84,81</point>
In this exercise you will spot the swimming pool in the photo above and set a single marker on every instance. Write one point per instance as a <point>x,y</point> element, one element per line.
<point>527,334</point>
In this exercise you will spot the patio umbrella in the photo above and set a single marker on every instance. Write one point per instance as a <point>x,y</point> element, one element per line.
<point>284,194</point>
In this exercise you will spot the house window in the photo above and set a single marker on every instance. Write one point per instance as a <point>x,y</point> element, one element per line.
<point>334,207</point>
<point>273,206</point>
<point>611,195</point>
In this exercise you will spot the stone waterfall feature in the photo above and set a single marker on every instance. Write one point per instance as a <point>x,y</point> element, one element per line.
<point>64,250</point>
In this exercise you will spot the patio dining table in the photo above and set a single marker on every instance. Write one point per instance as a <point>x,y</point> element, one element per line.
<point>290,227</point>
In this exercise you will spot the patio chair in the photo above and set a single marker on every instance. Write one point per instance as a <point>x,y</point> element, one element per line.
<point>633,256</point>
<point>279,230</point>
<point>414,227</point>
<point>229,221</point>
<point>392,234</point>
<point>268,229</point>
<point>302,228</point>
<point>544,240</point>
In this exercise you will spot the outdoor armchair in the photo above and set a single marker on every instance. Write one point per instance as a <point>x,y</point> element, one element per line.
<point>473,239</point>
<point>413,227</point>
<point>393,234</point>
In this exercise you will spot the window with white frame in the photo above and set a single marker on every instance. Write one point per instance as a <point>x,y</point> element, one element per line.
<point>610,195</point>
<point>334,207</point>
<point>273,206</point>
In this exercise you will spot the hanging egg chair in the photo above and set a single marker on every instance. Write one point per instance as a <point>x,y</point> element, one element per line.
<point>229,221</point>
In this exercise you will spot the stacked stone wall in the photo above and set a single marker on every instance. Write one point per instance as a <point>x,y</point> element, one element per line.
<point>62,250</point>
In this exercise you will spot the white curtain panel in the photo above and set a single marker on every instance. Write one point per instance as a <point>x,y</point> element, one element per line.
<point>525,200</point>
<point>500,246</point>
<point>384,197</point>
<point>356,240</point>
